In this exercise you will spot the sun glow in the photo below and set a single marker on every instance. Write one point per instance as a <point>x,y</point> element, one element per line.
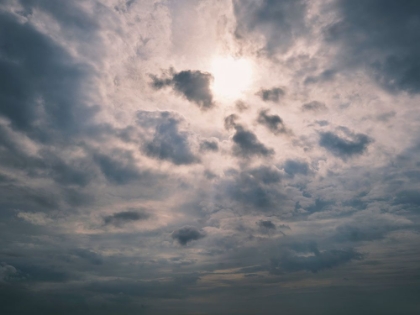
<point>232,77</point>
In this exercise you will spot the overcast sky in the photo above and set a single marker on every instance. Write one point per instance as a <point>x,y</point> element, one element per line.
<point>209,157</point>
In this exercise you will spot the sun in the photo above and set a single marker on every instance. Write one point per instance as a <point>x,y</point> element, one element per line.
<point>232,77</point>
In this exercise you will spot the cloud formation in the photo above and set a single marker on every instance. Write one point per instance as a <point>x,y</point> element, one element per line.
<point>273,122</point>
<point>314,106</point>
<point>316,261</point>
<point>168,142</point>
<point>121,218</point>
<point>194,85</point>
<point>344,147</point>
<point>380,35</point>
<point>187,234</point>
<point>272,95</point>
<point>128,189</point>
<point>246,144</point>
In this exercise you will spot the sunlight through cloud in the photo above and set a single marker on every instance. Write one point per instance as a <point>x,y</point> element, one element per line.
<point>232,77</point>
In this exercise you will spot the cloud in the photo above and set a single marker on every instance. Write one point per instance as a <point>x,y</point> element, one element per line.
<point>295,167</point>
<point>271,95</point>
<point>267,224</point>
<point>297,259</point>
<point>187,234</point>
<point>267,17</point>
<point>368,226</point>
<point>241,106</point>
<point>7,272</point>
<point>230,121</point>
<point>35,218</point>
<point>246,144</point>
<point>382,36</point>
<point>256,188</point>
<point>208,145</point>
<point>355,233</point>
<point>168,142</point>
<point>193,85</point>
<point>314,106</point>
<point>408,197</point>
<point>325,76</point>
<point>40,273</point>
<point>88,255</point>
<point>77,171</point>
<point>121,218</point>
<point>320,205</point>
<point>41,85</point>
<point>120,171</point>
<point>345,147</point>
<point>89,142</point>
<point>266,174</point>
<point>273,122</point>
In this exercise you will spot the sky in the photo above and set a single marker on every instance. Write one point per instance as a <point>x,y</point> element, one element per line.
<point>200,157</point>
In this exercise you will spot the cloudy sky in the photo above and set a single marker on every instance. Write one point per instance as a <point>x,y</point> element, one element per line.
<point>209,157</point>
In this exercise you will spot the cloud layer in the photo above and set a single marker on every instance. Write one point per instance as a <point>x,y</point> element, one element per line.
<point>129,185</point>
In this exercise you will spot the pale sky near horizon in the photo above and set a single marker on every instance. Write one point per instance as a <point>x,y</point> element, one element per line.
<point>209,157</point>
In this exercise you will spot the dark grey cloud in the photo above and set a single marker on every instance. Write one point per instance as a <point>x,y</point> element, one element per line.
<point>175,288</point>
<point>77,172</point>
<point>382,36</point>
<point>358,233</point>
<point>295,167</point>
<point>352,145</point>
<point>88,255</point>
<point>314,106</point>
<point>297,259</point>
<point>267,224</point>
<point>280,22</point>
<point>46,164</point>
<point>187,234</point>
<point>209,145</point>
<point>320,205</point>
<point>41,85</point>
<point>168,142</point>
<point>193,85</point>
<point>246,144</point>
<point>265,174</point>
<point>273,122</point>
<point>35,273</point>
<point>230,121</point>
<point>121,169</point>
<point>409,197</point>
<point>256,188</point>
<point>121,218</point>
<point>271,95</point>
